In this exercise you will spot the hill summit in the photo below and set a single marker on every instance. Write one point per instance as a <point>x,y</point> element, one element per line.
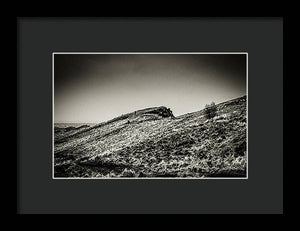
<point>153,113</point>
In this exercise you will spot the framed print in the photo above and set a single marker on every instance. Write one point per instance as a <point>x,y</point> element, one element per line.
<point>129,115</point>
<point>97,136</point>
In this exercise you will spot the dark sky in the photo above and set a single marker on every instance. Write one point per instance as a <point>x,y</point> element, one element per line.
<point>99,87</point>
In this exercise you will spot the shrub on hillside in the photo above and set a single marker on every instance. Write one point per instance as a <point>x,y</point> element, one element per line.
<point>210,110</point>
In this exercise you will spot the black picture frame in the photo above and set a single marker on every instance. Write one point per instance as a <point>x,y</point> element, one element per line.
<point>262,38</point>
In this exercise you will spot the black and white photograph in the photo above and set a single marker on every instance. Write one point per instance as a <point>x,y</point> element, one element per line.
<point>134,115</point>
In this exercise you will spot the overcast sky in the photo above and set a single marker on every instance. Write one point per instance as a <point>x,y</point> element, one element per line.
<point>99,87</point>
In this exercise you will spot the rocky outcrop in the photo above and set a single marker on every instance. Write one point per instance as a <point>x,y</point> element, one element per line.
<point>147,114</point>
<point>161,111</point>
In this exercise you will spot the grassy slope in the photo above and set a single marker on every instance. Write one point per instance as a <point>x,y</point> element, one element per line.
<point>151,145</point>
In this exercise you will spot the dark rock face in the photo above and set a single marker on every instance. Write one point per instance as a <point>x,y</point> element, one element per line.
<point>161,111</point>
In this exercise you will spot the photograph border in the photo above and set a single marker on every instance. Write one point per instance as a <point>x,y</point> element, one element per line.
<point>152,178</point>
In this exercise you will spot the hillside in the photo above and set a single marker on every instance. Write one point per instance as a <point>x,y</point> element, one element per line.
<point>153,143</point>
